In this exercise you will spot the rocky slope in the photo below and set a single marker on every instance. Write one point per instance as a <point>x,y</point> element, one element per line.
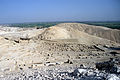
<point>100,31</point>
<point>71,34</point>
<point>64,44</point>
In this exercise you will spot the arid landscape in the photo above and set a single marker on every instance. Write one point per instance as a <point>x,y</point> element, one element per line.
<point>65,47</point>
<point>59,39</point>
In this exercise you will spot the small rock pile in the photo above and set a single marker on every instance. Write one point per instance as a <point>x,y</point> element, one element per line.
<point>111,66</point>
<point>63,73</point>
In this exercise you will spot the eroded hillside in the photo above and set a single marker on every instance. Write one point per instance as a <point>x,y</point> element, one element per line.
<point>100,31</point>
<point>63,44</point>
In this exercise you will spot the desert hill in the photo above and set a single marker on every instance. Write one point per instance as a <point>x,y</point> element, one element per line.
<point>100,31</point>
<point>70,32</point>
<point>63,44</point>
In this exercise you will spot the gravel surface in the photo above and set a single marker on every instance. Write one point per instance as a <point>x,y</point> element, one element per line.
<point>62,73</point>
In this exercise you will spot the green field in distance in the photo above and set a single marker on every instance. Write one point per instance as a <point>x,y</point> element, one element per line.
<point>113,25</point>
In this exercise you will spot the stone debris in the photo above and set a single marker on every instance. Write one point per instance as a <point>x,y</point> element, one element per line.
<point>52,64</point>
<point>112,77</point>
<point>62,73</point>
<point>24,51</point>
<point>111,66</point>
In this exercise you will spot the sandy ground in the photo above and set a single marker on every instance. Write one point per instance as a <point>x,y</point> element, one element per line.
<point>69,44</point>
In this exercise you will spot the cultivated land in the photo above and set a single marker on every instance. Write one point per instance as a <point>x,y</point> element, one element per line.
<point>65,47</point>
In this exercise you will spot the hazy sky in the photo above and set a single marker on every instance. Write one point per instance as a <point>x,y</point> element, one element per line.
<point>15,11</point>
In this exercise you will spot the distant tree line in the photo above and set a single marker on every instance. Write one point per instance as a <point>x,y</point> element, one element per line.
<point>44,24</point>
<point>113,25</point>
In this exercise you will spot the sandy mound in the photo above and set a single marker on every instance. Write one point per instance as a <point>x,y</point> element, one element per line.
<point>70,34</point>
<point>55,33</point>
<point>103,32</point>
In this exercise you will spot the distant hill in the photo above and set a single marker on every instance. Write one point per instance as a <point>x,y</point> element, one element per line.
<point>100,31</point>
<point>83,33</point>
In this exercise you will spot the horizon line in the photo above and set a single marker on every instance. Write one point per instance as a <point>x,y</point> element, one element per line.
<point>53,22</point>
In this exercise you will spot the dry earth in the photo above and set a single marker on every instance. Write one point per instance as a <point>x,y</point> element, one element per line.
<point>63,44</point>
